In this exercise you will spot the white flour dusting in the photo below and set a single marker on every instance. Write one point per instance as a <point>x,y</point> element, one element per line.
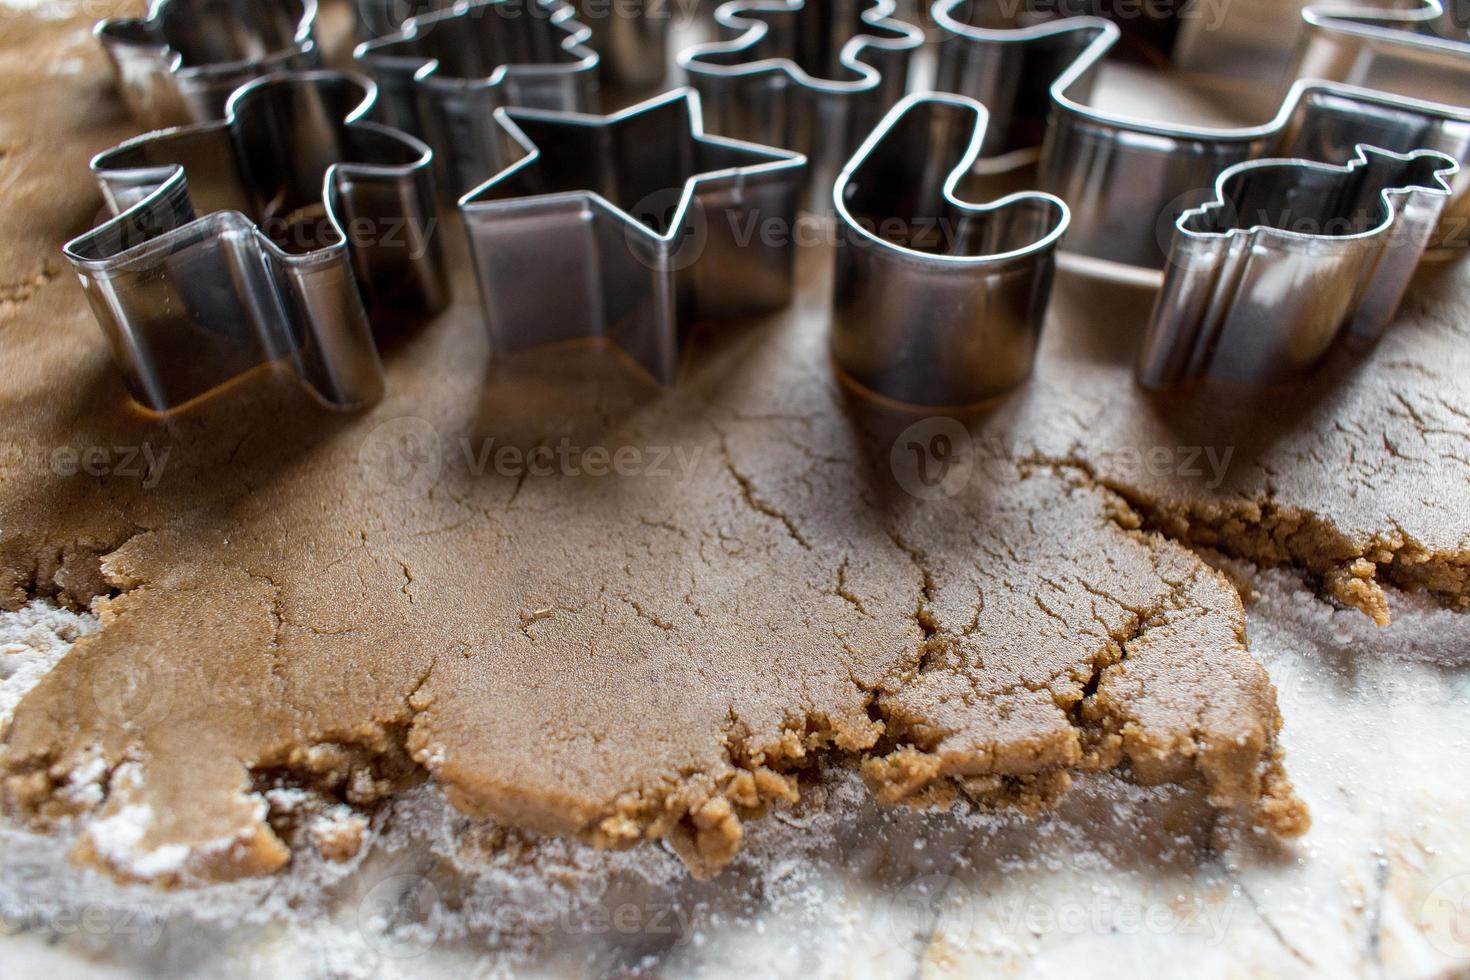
<point>838,886</point>
<point>32,641</point>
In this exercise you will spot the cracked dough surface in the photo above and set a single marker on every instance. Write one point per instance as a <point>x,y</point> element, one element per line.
<point>656,655</point>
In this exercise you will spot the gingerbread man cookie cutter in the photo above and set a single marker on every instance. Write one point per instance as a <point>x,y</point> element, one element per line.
<point>181,62</point>
<point>265,237</point>
<point>808,75</point>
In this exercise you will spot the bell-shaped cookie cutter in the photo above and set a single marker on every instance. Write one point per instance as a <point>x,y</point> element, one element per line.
<point>937,301</point>
<point>264,237</point>
<point>1288,257</point>
<point>181,62</point>
<point>1128,179</point>
<point>628,227</point>
<point>443,75</point>
<point>813,76</point>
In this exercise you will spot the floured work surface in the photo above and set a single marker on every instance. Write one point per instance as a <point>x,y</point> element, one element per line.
<point>351,603</point>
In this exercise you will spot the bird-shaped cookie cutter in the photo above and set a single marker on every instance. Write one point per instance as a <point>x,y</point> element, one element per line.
<point>443,75</point>
<point>628,227</point>
<point>267,237</point>
<point>1126,179</point>
<point>937,301</point>
<point>181,62</point>
<point>1289,257</point>
<point>814,76</point>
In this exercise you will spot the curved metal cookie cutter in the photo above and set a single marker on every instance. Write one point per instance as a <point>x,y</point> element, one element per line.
<point>264,237</point>
<point>626,227</point>
<point>814,76</point>
<point>937,301</point>
<point>1128,179</point>
<point>181,63</point>
<point>1419,48</point>
<point>630,36</point>
<point>443,76</point>
<point>1289,256</point>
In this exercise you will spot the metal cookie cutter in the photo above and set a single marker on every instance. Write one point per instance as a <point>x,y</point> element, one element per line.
<point>814,76</point>
<point>264,237</point>
<point>181,63</point>
<point>1420,48</point>
<point>628,226</point>
<point>1289,256</point>
<point>937,301</point>
<point>630,36</point>
<point>443,76</point>
<point>1128,179</point>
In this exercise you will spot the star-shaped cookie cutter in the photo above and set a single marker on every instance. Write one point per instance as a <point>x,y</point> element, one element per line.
<point>1128,179</point>
<point>181,62</point>
<point>1290,256</point>
<point>265,237</point>
<point>809,75</point>
<point>629,226</point>
<point>443,75</point>
<point>937,301</point>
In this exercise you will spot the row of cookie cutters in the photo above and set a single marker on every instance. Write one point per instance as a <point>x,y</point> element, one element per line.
<point>997,260</point>
<point>180,62</point>
<point>1241,298</point>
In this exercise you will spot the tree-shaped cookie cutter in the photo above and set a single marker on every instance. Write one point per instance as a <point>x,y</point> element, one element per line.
<point>181,62</point>
<point>631,37</point>
<point>443,75</point>
<point>1127,179</point>
<point>810,75</point>
<point>1289,256</point>
<point>628,227</point>
<point>937,301</point>
<point>268,236</point>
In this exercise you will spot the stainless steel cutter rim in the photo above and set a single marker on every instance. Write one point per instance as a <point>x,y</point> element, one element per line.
<point>506,118</point>
<point>1347,19</point>
<point>1108,36</point>
<point>879,14</point>
<point>562,15</point>
<point>956,174</point>
<point>302,43</point>
<point>1360,158</point>
<point>113,265</point>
